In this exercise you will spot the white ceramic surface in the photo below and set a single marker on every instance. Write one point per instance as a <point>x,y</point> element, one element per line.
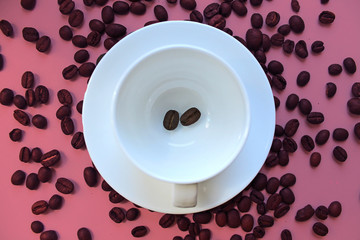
<point>180,77</point>
<point>104,147</point>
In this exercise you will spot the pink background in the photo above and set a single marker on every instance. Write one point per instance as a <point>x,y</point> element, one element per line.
<point>89,207</point>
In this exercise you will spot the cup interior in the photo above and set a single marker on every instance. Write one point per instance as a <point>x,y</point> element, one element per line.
<point>178,78</point>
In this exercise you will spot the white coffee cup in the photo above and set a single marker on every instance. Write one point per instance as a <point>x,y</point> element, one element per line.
<point>178,77</point>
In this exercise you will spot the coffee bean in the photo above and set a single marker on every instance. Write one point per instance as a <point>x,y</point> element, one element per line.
<point>64,185</point>
<point>139,231</point>
<point>304,213</point>
<point>321,212</point>
<point>196,16</point>
<point>115,197</point>
<point>317,47</point>
<point>354,106</point>
<point>39,207</point>
<point>63,111</point>
<point>315,159</point>
<point>273,201</point>
<point>239,8</point>
<point>291,127</point>
<point>79,41</point>
<point>288,46</point>
<point>287,180</point>
<point>109,43</point>
<point>30,34</point>
<point>334,69</point>
<point>138,8</point>
<point>16,135</point>
<point>97,26</point>
<point>275,67</point>
<point>272,19</point>
<point>272,160</point>
<point>287,195</point>
<point>256,3</point>
<point>279,130</point>
<point>84,234</point>
<point>320,229</point>
<point>289,144</point>
<point>36,154</point>
<point>18,177</point>
<point>177,237</point>
<point>24,154</point>
<point>259,182</point>
<point>340,154</point>
<point>70,72</point>
<point>39,121</point>
<point>279,82</point>
<point>326,17</point>
<point>121,7</point>
<point>297,24</point>
<point>107,14</point>
<point>48,235</point>
<point>22,117</point>
<point>301,49</point>
<point>27,79</point>
<point>64,97</point>
<point>355,89</point>
<point>357,130</point>
<point>42,94</point>
<point>286,235</point>
<point>190,116</point>
<point>101,2</point>
<point>256,196</point>
<point>244,204</point>
<point>335,209</point>
<point>307,143</point>
<point>256,20</point>
<point>6,28</point>
<point>281,210</point>
<point>86,69</point>
<point>183,223</point>
<point>217,21</point>
<point>30,97</point>
<point>76,18</point>
<point>205,234</point>
<point>276,102</point>
<point>66,7</point>
<point>254,39</point>
<point>233,218</point>
<point>303,78</point>
<point>292,101</point>
<point>188,4</point>
<point>322,137</point>
<point>305,106</point>
<point>167,220</point>
<point>265,221</point>
<point>160,13</point>
<point>93,38</point>
<point>283,157</point>
<point>194,229</point>
<point>44,174</point>
<point>32,181</point>
<point>295,6</point>
<point>349,65</point>
<point>284,29</point>
<point>6,96</point>
<point>235,237</point>
<point>43,44</point>
<point>272,185</point>
<point>78,140</point>
<point>211,10</point>
<point>202,217</point>
<point>90,176</point>
<point>221,218</point>
<point>28,4</point>
<point>315,118</point>
<point>260,56</point>
<point>20,102</point>
<point>56,202</point>
<point>66,33</point>
<point>172,1</point>
<point>277,39</point>
<point>330,89</point>
<point>261,208</point>
<point>132,214</point>
<point>266,43</point>
<point>247,222</point>
<point>340,134</point>
<point>37,226</point>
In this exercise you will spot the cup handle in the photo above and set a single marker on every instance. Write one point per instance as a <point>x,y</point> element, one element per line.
<point>185,195</point>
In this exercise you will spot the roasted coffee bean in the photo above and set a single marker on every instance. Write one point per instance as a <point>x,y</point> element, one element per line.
<point>279,82</point>
<point>303,78</point>
<point>265,221</point>
<point>273,201</point>
<point>63,111</point>
<point>70,72</point>
<point>283,157</point>
<point>275,67</point>
<point>326,17</point>
<point>18,177</point>
<point>32,181</point>
<point>66,7</point>
<point>349,65</point>
<point>315,118</point>
<point>305,106</point>
<point>221,218</point>
<point>281,210</point>
<point>254,38</point>
<point>194,229</point>
<point>64,97</point>
<point>37,226</point>
<point>30,97</point>
<point>171,120</point>
<point>30,34</point>
<point>354,106</point>
<point>233,218</point>
<point>275,146</point>
<point>90,176</point>
<point>43,44</point>
<point>297,24</point>
<point>27,79</point>
<point>340,154</point>
<point>105,186</point>
<point>287,180</point>
<point>334,69</point>
<point>110,42</point>
<point>190,116</point>
<point>100,2</point>
<point>276,102</point>
<point>266,42</point>
<point>196,16</point>
<point>286,235</point>
<point>205,234</point>
<point>66,33</point>
<point>188,4</point>
<point>244,204</point>
<point>139,231</point>
<point>330,89</point>
<point>320,229</point>
<point>272,19</point>
<point>76,18</point>
<point>277,39</point>
<point>321,212</point>
<point>239,8</point>
<point>291,127</point>
<point>256,3</point>
<point>301,49</point>
<point>78,140</point>
<point>259,182</point>
<point>228,31</point>
<point>256,196</point>
<point>39,207</point>
<point>284,29</point>
<point>304,213</point>
<point>357,130</point>
<point>317,47</point>
<point>138,8</point>
<point>279,130</point>
<point>295,6</point>
<point>322,137</point>
<point>236,237</point>
<point>272,185</point>
<point>256,20</point>
<point>287,195</point>
<point>24,154</point>
<point>183,223</point>
<point>86,69</point>
<point>6,96</point>
<point>79,106</point>
<point>355,89</point>
<point>132,214</point>
<point>16,135</point>
<point>261,208</point>
<point>115,197</point>
<point>167,220</point>
<point>340,134</point>
<point>20,102</point>
<point>107,14</point>
<point>260,56</point>
<point>172,1</point>
<point>93,38</point>
<point>22,117</point>
<point>64,185</point>
<point>84,234</point>
<point>307,143</point>
<point>335,209</point>
<point>288,46</point>
<point>247,222</point>
<point>97,25</point>
<point>217,21</point>
<point>211,10</point>
<point>79,41</point>
<point>42,94</point>
<point>202,217</point>
<point>121,7</point>
<point>272,160</point>
<point>6,28</point>
<point>292,101</point>
<point>115,30</point>
<point>177,237</point>
<point>44,174</point>
<point>289,144</point>
<point>48,235</point>
<point>315,159</point>
<point>160,13</point>
<point>39,121</point>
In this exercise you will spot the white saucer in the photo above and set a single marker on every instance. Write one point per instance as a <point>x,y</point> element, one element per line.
<point>103,145</point>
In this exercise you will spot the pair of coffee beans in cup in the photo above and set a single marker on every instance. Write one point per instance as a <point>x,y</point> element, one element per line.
<point>171,118</point>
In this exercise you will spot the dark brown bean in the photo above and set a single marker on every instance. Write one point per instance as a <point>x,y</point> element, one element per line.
<point>20,102</point>
<point>303,78</point>
<point>340,154</point>
<point>196,16</point>
<point>205,234</point>
<point>279,82</point>
<point>287,195</point>
<point>37,226</point>
<point>84,234</point>
<point>297,24</point>
<point>277,39</point>
<point>117,214</point>
<point>233,218</point>
<point>30,97</point>
<point>107,14</point>
<point>30,34</point>
<point>256,20</point>
<point>43,44</point>
<point>244,204</point>
<point>322,137</point>
<point>305,106</point>
<point>295,6</point>
<point>171,120</point>
<point>16,135</point>
<point>354,106</point>
<point>115,197</point>
<point>24,154</point>
<point>304,213</point>
<point>279,130</point>
<point>273,201</point>
<point>355,89</point>
<point>194,229</point>
<point>320,229</point>
<point>286,235</point>
<point>190,116</point>
<point>281,210</point>
<point>239,8</point>
<point>44,174</point>
<point>272,160</point>
<point>334,69</point>
<point>261,208</point>
<point>292,101</point>
<point>32,181</point>
<point>266,42</point>
<point>315,159</point>
<point>63,111</point>
<point>272,19</point>
<point>288,46</point>
<point>93,38</point>
<point>287,180</point>
<point>167,220</point>
<point>48,235</point>
<point>66,33</point>
<point>254,39</point>
<point>340,134</point>
<point>139,231</point>
<point>39,207</point>
<point>315,118</point>
<point>6,28</point>
<point>97,25</point>
<point>121,7</point>
<point>76,18</point>
<point>307,143</point>
<point>284,29</point>
<point>86,69</point>
<point>64,185</point>
<point>357,130</point>
<point>217,21</point>
<point>276,102</point>
<point>247,222</point>
<point>211,10</point>
<point>6,96</point>
<point>79,41</point>
<point>349,65</point>
<point>259,182</point>
<point>236,237</point>
<point>301,49</point>
<point>70,72</point>
<point>275,67</point>
<point>317,46</point>
<point>42,94</point>
<point>18,177</point>
<point>330,89</point>
<point>326,17</point>
<point>64,97</point>
<point>39,121</point>
<point>22,117</point>
<point>221,218</point>
<point>272,185</point>
<point>256,196</point>
<point>265,221</point>
<point>101,2</point>
<point>36,154</point>
<point>79,106</point>
<point>289,144</point>
<point>27,79</point>
<point>335,209</point>
<point>321,212</point>
<point>291,127</point>
<point>188,4</point>
<point>90,176</point>
<point>256,3</point>
<point>283,157</point>
<point>132,214</point>
<point>160,13</point>
<point>66,7</point>
<point>202,217</point>
<point>78,140</point>
<point>138,8</point>
<point>183,223</point>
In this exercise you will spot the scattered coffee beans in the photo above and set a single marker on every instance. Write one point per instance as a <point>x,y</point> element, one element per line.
<point>32,181</point>
<point>326,17</point>
<point>6,28</point>
<point>272,19</point>
<point>37,226</point>
<point>315,159</point>
<point>349,65</point>
<point>334,69</point>
<point>64,185</point>
<point>39,207</point>
<point>16,135</point>
<point>330,89</point>
<point>340,154</point>
<point>320,229</point>
<point>90,176</point>
<point>18,177</point>
<point>56,202</point>
<point>304,213</point>
<point>39,121</point>
<point>139,231</point>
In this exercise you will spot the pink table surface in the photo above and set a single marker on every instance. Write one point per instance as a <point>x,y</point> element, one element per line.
<point>89,207</point>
